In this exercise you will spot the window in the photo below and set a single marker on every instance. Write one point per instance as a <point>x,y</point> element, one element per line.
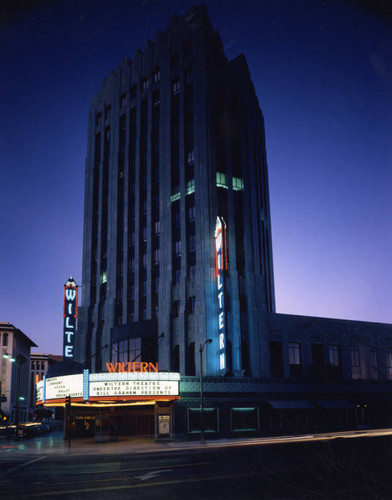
<point>238,184</point>
<point>5,339</point>
<point>192,243</point>
<point>157,75</point>
<point>175,59</point>
<point>191,213</point>
<point>157,227</point>
<point>176,309</point>
<point>188,77</point>
<point>373,364</point>
<point>145,84</point>
<point>178,248</point>
<point>123,350</point>
<point>123,101</point>
<point>210,420</point>
<point>334,355</point>
<point>176,196</point>
<point>176,358</point>
<point>388,365</point>
<point>115,353</point>
<point>156,256</point>
<point>294,353</point>
<point>276,359</point>
<point>98,119</point>
<point>190,187</point>
<point>177,276</point>
<point>295,359</point>
<point>244,419</point>
<point>191,157</point>
<point>108,111</point>
<point>156,99</point>
<point>191,305</point>
<point>144,260</point>
<point>355,363</point>
<point>177,220</point>
<point>221,180</point>
<point>176,87</point>
<point>192,272</point>
<point>135,349</point>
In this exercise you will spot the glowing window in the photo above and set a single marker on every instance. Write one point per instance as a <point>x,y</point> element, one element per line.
<point>190,187</point>
<point>175,197</point>
<point>238,184</point>
<point>221,180</point>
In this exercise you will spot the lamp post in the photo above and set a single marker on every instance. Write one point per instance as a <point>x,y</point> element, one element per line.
<point>19,359</point>
<point>202,437</point>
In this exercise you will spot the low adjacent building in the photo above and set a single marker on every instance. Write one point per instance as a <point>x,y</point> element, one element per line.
<point>15,349</point>
<point>39,366</point>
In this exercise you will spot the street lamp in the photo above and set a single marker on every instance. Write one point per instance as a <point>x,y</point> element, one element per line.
<point>202,437</point>
<point>19,359</point>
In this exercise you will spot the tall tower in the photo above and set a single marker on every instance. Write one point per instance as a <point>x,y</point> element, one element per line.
<point>176,156</point>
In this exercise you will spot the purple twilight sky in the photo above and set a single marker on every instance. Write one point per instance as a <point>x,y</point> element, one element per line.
<point>323,75</point>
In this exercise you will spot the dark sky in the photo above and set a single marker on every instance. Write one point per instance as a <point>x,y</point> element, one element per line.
<point>322,70</point>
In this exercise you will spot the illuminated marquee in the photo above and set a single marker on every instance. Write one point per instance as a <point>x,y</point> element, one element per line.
<point>70,313</point>
<point>119,386</point>
<point>221,266</point>
<point>61,387</point>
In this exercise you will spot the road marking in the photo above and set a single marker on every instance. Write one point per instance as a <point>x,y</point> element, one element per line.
<point>140,485</point>
<point>152,474</point>
<point>137,469</point>
<point>9,471</point>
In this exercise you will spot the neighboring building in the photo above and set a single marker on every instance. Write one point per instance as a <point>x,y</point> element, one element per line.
<point>177,252</point>
<point>14,370</point>
<point>39,366</point>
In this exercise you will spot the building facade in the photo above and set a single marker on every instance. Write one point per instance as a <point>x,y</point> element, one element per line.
<point>39,366</point>
<point>175,144</point>
<point>15,370</point>
<point>177,257</point>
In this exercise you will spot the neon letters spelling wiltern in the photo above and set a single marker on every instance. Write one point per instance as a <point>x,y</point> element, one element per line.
<point>70,314</point>
<point>221,266</point>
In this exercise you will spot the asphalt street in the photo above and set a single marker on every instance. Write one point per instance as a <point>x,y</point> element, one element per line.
<point>296,467</point>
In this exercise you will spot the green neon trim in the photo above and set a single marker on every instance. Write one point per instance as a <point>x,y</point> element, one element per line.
<point>244,409</point>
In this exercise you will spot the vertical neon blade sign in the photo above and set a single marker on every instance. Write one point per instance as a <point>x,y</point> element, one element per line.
<point>221,266</point>
<point>70,313</point>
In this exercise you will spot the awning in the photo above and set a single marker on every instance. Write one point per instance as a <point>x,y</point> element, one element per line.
<point>291,405</point>
<point>334,404</point>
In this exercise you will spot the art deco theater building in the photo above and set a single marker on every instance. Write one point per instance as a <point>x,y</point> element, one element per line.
<point>177,257</point>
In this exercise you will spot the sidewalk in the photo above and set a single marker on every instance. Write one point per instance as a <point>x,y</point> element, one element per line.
<point>54,443</point>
